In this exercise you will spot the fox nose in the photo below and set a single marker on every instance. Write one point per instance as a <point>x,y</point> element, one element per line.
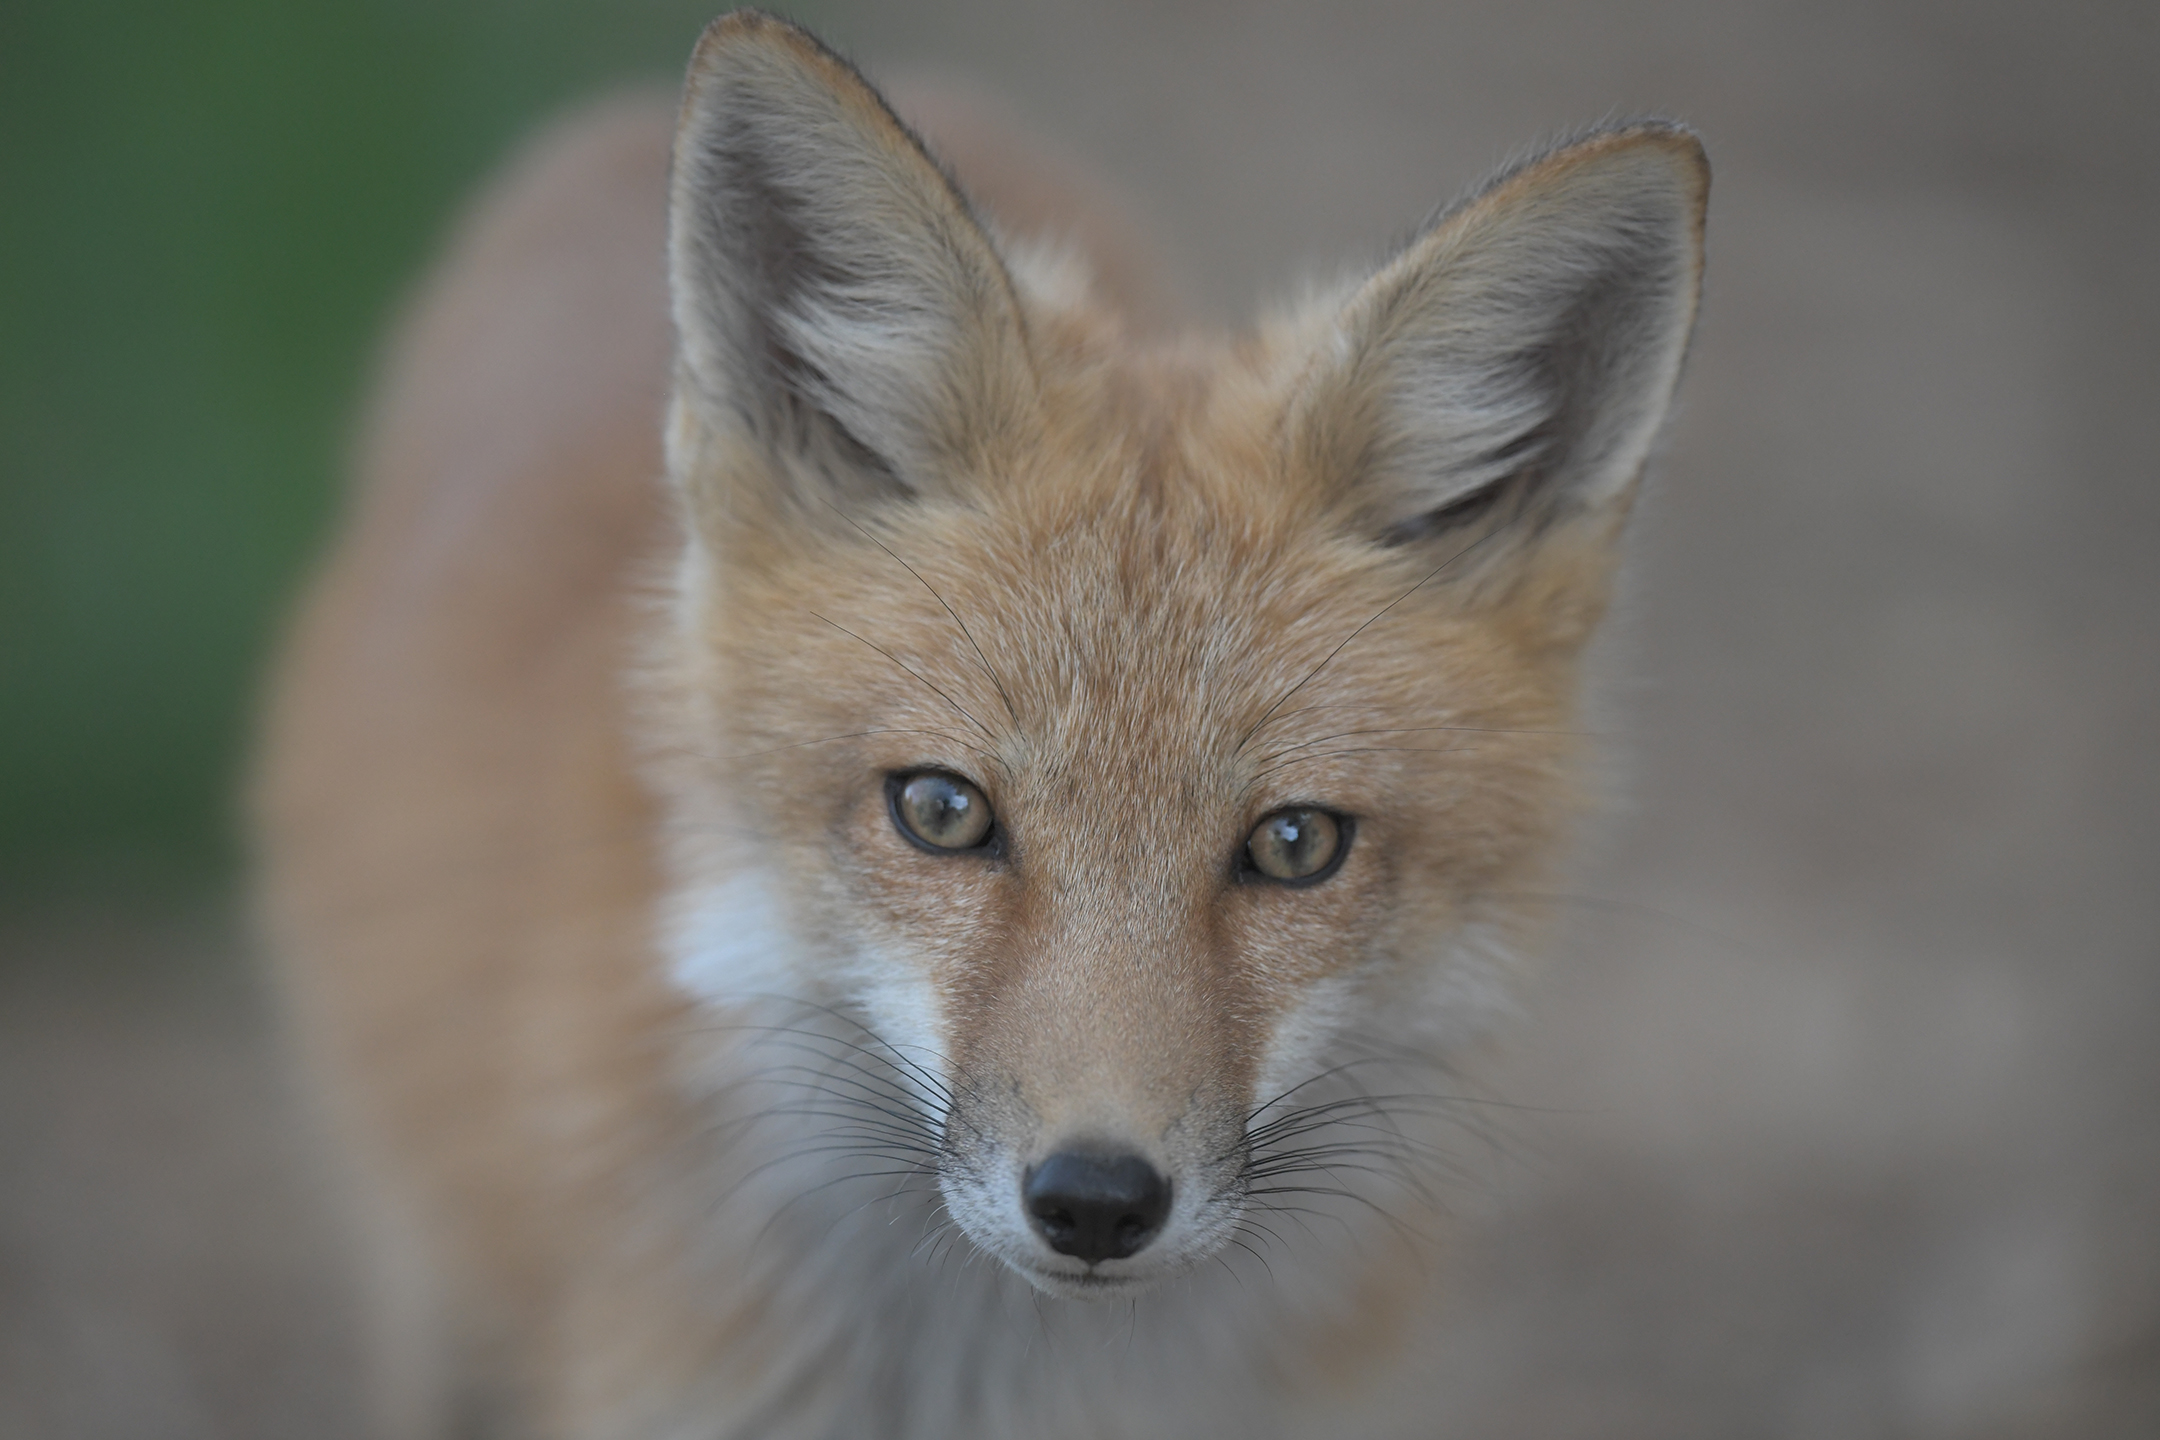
<point>1096,1207</point>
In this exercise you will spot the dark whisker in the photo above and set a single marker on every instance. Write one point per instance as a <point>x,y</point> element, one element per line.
<point>1328,1074</point>
<point>886,1092</point>
<point>888,1055</point>
<point>1367,705</point>
<point>1298,1118</point>
<point>1341,1193</point>
<point>980,658</point>
<point>897,1110</point>
<point>793,1200</point>
<point>1335,1168</point>
<point>887,1089</point>
<point>1330,659</point>
<point>912,671</point>
<point>1410,730</point>
<point>854,1127</point>
<point>929,1080</point>
<point>827,740</point>
<point>1302,1214</point>
<point>1259,775</point>
<point>1234,1240</point>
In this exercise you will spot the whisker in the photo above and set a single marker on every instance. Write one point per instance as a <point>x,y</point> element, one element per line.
<point>897,1112</point>
<point>1332,1072</point>
<point>1344,1193</point>
<point>1411,730</point>
<point>930,1236</point>
<point>1234,1240</point>
<point>930,1080</point>
<point>890,1055</point>
<point>852,1127</point>
<point>888,1089</point>
<point>1259,775</point>
<point>1304,1213</point>
<point>875,1087</point>
<point>793,1200</point>
<point>827,740</point>
<point>980,658</point>
<point>914,672</point>
<point>1335,1169</point>
<point>1330,658</point>
<point>1274,1128</point>
<point>1479,729</point>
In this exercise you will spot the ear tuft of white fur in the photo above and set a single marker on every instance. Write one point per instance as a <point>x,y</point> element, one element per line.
<point>835,301</point>
<point>1525,346</point>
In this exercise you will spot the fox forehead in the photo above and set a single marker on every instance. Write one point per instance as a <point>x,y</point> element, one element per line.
<point>1139,598</point>
<point>1110,648</point>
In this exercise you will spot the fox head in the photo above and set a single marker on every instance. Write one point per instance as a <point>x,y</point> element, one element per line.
<point>1127,736</point>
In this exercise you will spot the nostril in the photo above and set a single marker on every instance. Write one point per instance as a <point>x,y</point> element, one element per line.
<point>1056,1224</point>
<point>1094,1206</point>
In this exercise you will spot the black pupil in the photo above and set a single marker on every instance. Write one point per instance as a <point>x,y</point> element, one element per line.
<point>1293,844</point>
<point>941,810</point>
<point>1296,834</point>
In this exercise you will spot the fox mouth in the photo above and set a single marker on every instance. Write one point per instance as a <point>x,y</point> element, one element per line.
<point>1093,1283</point>
<point>1069,1276</point>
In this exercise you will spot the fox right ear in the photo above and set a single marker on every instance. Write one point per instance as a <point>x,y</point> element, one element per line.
<point>840,313</point>
<point>1505,375</point>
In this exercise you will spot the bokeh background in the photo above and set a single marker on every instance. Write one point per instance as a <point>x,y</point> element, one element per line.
<point>1845,1076</point>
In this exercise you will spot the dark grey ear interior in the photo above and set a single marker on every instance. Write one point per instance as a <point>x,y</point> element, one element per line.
<point>764,288</point>
<point>834,300</point>
<point>1518,357</point>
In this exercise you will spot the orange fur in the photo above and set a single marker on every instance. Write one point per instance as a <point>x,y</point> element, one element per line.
<point>532,704</point>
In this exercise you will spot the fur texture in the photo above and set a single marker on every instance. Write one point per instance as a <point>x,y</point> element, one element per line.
<point>685,1096</point>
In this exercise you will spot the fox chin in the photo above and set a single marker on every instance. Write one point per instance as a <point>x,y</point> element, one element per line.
<point>845,786</point>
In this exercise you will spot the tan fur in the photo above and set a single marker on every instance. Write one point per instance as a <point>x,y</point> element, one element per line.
<point>473,818</point>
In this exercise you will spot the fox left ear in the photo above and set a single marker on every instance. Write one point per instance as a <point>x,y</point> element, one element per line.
<point>845,326</point>
<point>1507,372</point>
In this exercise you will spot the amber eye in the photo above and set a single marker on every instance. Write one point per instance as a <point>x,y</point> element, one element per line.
<point>1297,845</point>
<point>938,811</point>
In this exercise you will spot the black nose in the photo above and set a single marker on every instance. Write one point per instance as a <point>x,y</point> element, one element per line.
<point>1096,1207</point>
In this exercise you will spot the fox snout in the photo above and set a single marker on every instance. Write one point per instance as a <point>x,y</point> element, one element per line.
<point>1096,1131</point>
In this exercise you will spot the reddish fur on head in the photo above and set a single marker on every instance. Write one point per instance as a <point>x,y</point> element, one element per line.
<point>645,1023</point>
<point>944,519</point>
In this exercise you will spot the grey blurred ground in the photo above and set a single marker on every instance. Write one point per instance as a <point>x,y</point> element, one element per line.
<point>1856,1080</point>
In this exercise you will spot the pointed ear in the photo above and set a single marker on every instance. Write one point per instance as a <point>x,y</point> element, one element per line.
<point>840,314</point>
<point>1507,372</point>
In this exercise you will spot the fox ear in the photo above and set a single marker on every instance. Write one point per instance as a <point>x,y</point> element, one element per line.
<point>1509,369</point>
<point>837,307</point>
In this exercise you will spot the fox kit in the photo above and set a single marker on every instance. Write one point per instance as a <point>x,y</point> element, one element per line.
<point>920,871</point>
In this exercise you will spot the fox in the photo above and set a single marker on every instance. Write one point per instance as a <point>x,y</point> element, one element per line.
<point>861,836</point>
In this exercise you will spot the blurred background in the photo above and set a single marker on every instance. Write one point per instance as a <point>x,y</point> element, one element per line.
<point>1851,1052</point>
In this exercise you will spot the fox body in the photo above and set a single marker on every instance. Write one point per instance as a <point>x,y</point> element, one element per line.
<point>1022,816</point>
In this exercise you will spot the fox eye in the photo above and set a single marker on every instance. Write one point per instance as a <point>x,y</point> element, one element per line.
<point>1298,845</point>
<point>939,811</point>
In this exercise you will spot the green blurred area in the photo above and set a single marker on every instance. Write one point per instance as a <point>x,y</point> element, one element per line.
<point>206,212</point>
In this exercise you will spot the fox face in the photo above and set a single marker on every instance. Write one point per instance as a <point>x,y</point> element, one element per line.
<point>1132,741</point>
